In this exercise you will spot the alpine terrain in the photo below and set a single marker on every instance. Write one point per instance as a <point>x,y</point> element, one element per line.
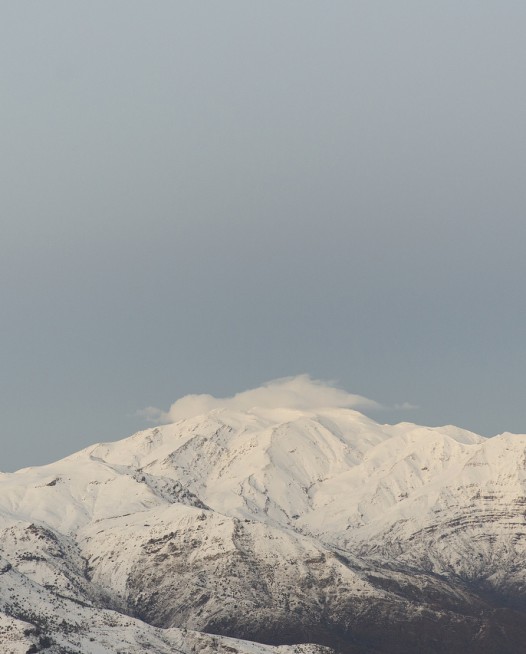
<point>269,531</point>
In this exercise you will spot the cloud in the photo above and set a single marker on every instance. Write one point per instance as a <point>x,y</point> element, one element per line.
<point>405,406</point>
<point>299,392</point>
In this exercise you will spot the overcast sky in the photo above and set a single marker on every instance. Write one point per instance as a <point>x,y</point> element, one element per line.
<point>199,197</point>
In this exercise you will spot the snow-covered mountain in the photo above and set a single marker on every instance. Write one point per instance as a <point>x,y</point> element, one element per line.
<point>280,526</point>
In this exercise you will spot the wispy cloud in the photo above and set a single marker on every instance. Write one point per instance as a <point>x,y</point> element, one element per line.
<point>405,406</point>
<point>300,392</point>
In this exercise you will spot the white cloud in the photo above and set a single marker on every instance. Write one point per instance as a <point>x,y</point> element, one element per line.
<point>299,392</point>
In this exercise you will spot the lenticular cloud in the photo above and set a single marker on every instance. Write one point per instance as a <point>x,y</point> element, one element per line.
<point>299,392</point>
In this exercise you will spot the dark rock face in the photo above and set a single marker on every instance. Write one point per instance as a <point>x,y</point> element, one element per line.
<point>239,593</point>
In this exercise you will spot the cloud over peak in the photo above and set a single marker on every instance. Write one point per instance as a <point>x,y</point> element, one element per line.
<point>300,392</point>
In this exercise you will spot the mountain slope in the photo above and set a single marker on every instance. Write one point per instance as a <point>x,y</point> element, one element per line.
<point>275,525</point>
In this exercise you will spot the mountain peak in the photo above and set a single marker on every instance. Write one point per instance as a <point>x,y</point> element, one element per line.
<point>216,503</point>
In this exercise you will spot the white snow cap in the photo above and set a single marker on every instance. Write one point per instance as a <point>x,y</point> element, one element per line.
<point>300,392</point>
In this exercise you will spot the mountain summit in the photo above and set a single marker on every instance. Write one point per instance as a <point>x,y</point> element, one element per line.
<point>278,526</point>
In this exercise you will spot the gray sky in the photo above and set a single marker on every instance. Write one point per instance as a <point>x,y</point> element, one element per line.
<point>204,196</point>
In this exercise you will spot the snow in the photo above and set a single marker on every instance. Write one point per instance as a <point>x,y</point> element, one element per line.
<point>285,487</point>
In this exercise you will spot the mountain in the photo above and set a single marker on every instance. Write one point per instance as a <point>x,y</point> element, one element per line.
<point>281,527</point>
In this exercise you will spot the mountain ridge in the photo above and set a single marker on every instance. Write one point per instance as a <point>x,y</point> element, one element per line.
<point>282,526</point>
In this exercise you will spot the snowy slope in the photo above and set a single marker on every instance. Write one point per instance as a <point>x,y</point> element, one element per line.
<point>374,489</point>
<point>276,525</point>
